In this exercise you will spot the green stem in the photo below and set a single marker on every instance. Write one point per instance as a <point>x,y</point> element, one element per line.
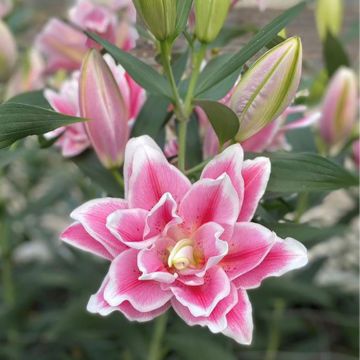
<point>156,349</point>
<point>118,177</point>
<point>182,145</point>
<point>197,168</point>
<point>301,207</point>
<point>274,338</point>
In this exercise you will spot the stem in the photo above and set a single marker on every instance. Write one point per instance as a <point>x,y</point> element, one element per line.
<point>166,55</point>
<point>155,350</point>
<point>182,145</point>
<point>197,168</point>
<point>301,207</point>
<point>118,177</point>
<point>274,338</point>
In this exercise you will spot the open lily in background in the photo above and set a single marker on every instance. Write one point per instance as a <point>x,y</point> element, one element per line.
<point>189,246</point>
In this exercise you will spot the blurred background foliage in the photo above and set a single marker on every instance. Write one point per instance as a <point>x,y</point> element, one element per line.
<point>45,286</point>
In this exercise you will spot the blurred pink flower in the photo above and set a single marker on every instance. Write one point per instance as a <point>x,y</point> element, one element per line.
<point>356,153</point>
<point>65,45</point>
<point>189,246</point>
<point>29,75</point>
<point>5,7</point>
<point>73,139</point>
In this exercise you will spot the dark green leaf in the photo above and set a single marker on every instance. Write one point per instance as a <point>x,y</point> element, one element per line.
<point>223,119</point>
<point>152,117</point>
<point>35,98</point>
<point>179,65</point>
<point>299,172</point>
<point>334,54</point>
<point>236,61</point>
<point>142,73</point>
<point>89,164</point>
<point>193,143</point>
<point>183,8</point>
<point>20,120</point>
<point>229,33</point>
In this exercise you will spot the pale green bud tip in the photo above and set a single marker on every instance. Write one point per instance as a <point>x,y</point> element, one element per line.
<point>329,17</point>
<point>268,87</point>
<point>210,18</point>
<point>8,52</point>
<point>159,16</point>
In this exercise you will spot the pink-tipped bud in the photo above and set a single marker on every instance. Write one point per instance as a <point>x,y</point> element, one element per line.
<point>101,101</point>
<point>8,52</point>
<point>339,108</point>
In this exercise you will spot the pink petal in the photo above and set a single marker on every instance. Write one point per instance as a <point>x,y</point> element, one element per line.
<point>285,255</point>
<point>210,200</point>
<point>229,162</point>
<point>249,245</point>
<point>98,305</point>
<point>202,300</point>
<point>153,262</point>
<point>207,242</point>
<point>256,174</point>
<point>128,226</point>
<point>216,321</point>
<point>161,216</point>
<point>77,236</point>
<point>124,285</point>
<point>151,176</point>
<point>239,319</point>
<point>93,216</point>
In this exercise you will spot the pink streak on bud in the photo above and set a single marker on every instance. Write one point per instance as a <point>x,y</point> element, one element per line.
<point>101,101</point>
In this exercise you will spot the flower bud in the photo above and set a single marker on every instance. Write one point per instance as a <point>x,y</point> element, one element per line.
<point>101,102</point>
<point>339,107</point>
<point>267,88</point>
<point>159,16</point>
<point>329,15</point>
<point>8,52</point>
<point>210,18</point>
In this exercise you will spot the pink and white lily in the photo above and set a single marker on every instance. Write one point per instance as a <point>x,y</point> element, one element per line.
<point>189,246</point>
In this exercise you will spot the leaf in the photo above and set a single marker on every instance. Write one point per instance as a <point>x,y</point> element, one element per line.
<point>183,8</point>
<point>236,61</point>
<point>179,65</point>
<point>153,116</point>
<point>20,120</point>
<point>299,172</point>
<point>35,98</point>
<point>193,143</point>
<point>334,54</point>
<point>89,164</point>
<point>223,119</point>
<point>142,73</point>
<point>222,88</point>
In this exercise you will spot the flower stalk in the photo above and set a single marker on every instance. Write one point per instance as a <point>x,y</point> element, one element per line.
<point>156,350</point>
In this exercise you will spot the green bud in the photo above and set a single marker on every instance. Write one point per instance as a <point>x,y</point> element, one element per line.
<point>210,18</point>
<point>159,16</point>
<point>329,16</point>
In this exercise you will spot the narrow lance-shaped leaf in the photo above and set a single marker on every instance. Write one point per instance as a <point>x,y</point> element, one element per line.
<point>261,39</point>
<point>142,73</point>
<point>20,120</point>
<point>223,119</point>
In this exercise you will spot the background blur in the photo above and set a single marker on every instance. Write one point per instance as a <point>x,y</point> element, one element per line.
<point>312,314</point>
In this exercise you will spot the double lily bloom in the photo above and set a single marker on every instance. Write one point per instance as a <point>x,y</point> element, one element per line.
<point>189,246</point>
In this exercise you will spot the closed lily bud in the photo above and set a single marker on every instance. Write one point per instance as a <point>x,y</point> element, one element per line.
<point>329,16</point>
<point>267,88</point>
<point>339,108</point>
<point>8,52</point>
<point>101,102</point>
<point>210,18</point>
<point>159,16</point>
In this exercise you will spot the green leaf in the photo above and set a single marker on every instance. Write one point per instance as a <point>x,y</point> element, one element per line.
<point>183,8</point>
<point>222,88</point>
<point>299,172</point>
<point>223,119</point>
<point>35,98</point>
<point>236,61</point>
<point>20,120</point>
<point>142,73</point>
<point>89,164</point>
<point>153,116</point>
<point>229,33</point>
<point>193,143</point>
<point>334,54</point>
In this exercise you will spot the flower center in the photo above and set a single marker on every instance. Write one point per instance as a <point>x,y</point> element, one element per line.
<point>182,255</point>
